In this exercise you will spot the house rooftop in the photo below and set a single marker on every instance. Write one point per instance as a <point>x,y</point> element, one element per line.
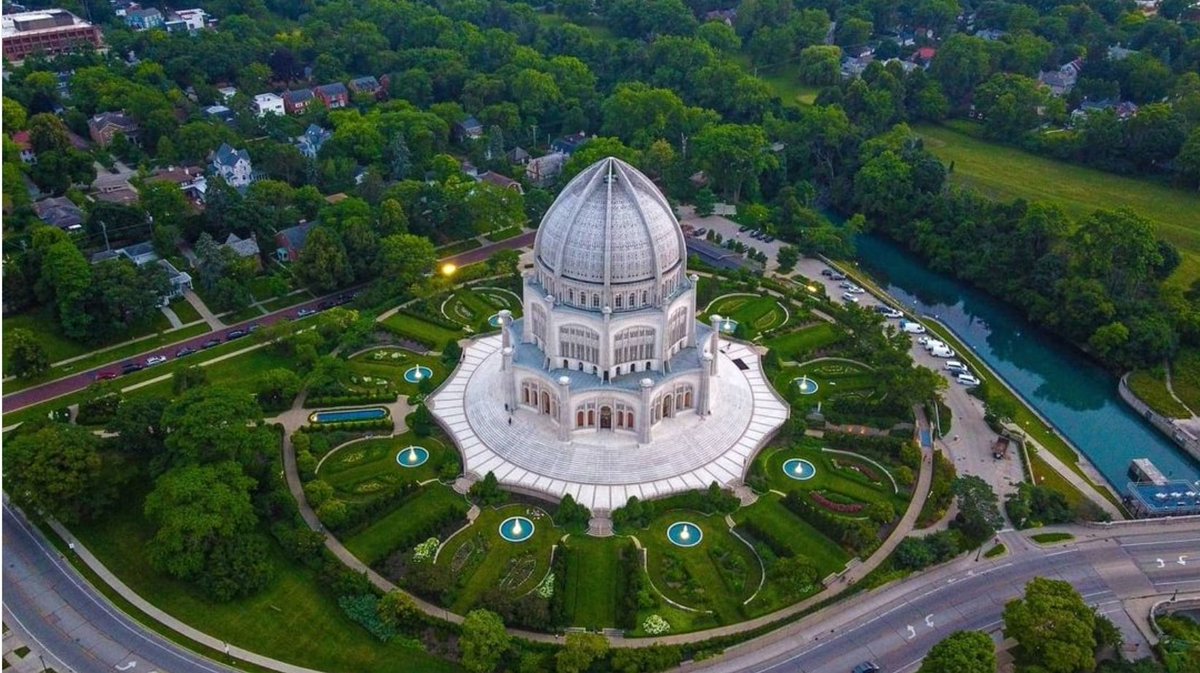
<point>42,21</point>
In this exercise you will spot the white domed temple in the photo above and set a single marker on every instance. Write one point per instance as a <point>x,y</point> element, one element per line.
<point>608,387</point>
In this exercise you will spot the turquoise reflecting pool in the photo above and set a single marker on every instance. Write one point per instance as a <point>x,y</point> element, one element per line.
<point>412,456</point>
<point>347,415</point>
<point>1076,395</point>
<point>516,529</point>
<point>799,469</point>
<point>684,534</point>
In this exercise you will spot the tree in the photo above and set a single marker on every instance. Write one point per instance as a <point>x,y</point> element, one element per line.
<point>398,610</point>
<point>204,529</point>
<point>1188,160</point>
<point>796,573</point>
<point>26,355</point>
<point>580,651</point>
<point>323,263</point>
<point>961,652</point>
<point>733,155</point>
<point>596,149</point>
<point>58,469</point>
<point>961,63</point>
<point>138,422</point>
<point>212,425</point>
<point>978,509</point>
<point>787,258</point>
<point>48,133</point>
<point>1054,627</point>
<point>404,259</point>
<point>483,641</point>
<point>276,388</point>
<point>1012,104</point>
<point>820,65</point>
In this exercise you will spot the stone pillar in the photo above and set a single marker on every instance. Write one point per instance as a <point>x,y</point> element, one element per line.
<point>510,379</point>
<point>550,349</point>
<point>606,344</point>
<point>505,325</point>
<point>564,408</point>
<point>715,342</point>
<point>644,415</point>
<point>691,323</point>
<point>704,398</point>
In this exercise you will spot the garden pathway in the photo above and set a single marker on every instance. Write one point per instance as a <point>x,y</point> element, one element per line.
<point>176,323</point>
<point>194,299</point>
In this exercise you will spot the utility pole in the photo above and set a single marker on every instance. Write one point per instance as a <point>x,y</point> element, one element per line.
<point>104,228</point>
<point>533,130</point>
<point>683,144</point>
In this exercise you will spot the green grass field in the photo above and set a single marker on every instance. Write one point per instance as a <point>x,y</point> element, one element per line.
<point>753,314</point>
<point>392,369</point>
<point>504,234</point>
<point>513,567</point>
<point>802,539</point>
<point>1185,376</point>
<point>474,306</point>
<point>795,346</point>
<point>1007,172</point>
<point>407,326</point>
<point>841,478</point>
<point>292,619</point>
<point>363,469</point>
<point>58,347</point>
<point>834,379</point>
<point>185,311</point>
<point>375,542</point>
<point>783,80</point>
<point>593,580</point>
<point>1151,388</point>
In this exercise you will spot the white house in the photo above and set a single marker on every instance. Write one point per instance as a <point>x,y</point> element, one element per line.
<point>195,19</point>
<point>233,166</point>
<point>268,103</point>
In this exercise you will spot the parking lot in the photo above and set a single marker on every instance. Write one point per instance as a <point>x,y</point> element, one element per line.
<point>728,229</point>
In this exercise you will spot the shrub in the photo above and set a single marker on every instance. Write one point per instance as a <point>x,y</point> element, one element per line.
<point>425,551</point>
<point>655,625</point>
<point>363,609</point>
<point>571,514</point>
<point>488,492</point>
<point>347,399</point>
<point>546,588</point>
<point>855,535</point>
<point>98,410</point>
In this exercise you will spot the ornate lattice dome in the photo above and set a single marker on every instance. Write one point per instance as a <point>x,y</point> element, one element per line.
<point>610,226</point>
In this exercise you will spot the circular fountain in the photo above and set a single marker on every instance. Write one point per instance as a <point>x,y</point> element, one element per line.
<point>799,469</point>
<point>684,534</point>
<point>728,326</point>
<point>412,456</point>
<point>516,529</point>
<point>494,320</point>
<point>806,385</point>
<point>417,374</point>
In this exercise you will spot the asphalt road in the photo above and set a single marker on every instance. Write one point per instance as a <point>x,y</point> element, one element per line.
<point>897,626</point>
<point>64,386</point>
<point>57,613</point>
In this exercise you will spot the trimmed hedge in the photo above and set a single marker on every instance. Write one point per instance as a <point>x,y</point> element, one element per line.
<point>372,397</point>
<point>855,535</point>
<point>350,426</point>
<point>359,515</point>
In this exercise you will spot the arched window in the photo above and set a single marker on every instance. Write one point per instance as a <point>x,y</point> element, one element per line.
<point>596,300</point>
<point>633,343</point>
<point>583,298</point>
<point>539,324</point>
<point>579,418</point>
<point>617,300</point>
<point>676,328</point>
<point>632,300</point>
<point>578,342</point>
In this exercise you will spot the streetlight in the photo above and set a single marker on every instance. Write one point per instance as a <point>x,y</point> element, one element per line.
<point>448,269</point>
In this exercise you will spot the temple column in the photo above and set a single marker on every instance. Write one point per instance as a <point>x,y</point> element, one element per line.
<point>644,415</point>
<point>505,328</point>
<point>564,408</point>
<point>715,341</point>
<point>510,378</point>
<point>703,401</point>
<point>691,322</point>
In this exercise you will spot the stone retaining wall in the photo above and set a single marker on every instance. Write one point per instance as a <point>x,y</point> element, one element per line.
<point>1164,425</point>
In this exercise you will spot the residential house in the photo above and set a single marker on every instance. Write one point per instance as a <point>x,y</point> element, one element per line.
<point>517,156</point>
<point>469,169</point>
<point>21,140</point>
<point>196,19</point>
<point>854,66</point>
<point>725,16</point>
<point>289,243</point>
<point>61,212</point>
<point>311,141</point>
<point>144,19</point>
<point>990,34</point>
<point>296,102</point>
<point>233,166</point>
<point>227,93</point>
<point>367,85</point>
<point>142,254</point>
<point>924,55</point>
<point>501,181</point>
<point>269,104</point>
<point>1122,109</point>
<point>191,180</point>
<point>568,144</point>
<point>334,95</point>
<point>245,248</point>
<point>467,129</point>
<point>105,125</point>
<point>544,171</point>
<point>218,113</point>
<point>1061,81</point>
<point>114,188</point>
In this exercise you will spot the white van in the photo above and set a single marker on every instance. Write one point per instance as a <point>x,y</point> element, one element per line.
<point>912,327</point>
<point>934,343</point>
<point>942,351</point>
<point>956,367</point>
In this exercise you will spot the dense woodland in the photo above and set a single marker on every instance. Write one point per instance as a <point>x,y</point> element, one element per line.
<point>659,86</point>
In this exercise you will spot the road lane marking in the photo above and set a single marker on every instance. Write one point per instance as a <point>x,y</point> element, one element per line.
<point>1182,559</point>
<point>929,620</point>
<point>912,633</point>
<point>1161,563</point>
<point>126,667</point>
<point>1159,542</point>
<point>1177,582</point>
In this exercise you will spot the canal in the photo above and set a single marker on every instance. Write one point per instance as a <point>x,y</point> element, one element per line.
<point>1079,397</point>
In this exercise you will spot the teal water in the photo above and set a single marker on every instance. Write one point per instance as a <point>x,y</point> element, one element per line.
<point>350,415</point>
<point>1077,396</point>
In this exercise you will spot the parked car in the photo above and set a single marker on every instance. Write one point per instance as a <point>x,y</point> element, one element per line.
<point>850,297</point>
<point>210,343</point>
<point>155,360</point>
<point>968,380</point>
<point>888,311</point>
<point>828,273</point>
<point>305,312</point>
<point>866,667</point>
<point>131,367</point>
<point>957,367</point>
<point>236,334</point>
<point>854,289</point>
<point>743,229</point>
<point>931,344</point>
<point>701,231</point>
<point>768,239</point>
<point>252,328</point>
<point>106,376</point>
<point>845,285</point>
<point>184,351</point>
<point>837,275</point>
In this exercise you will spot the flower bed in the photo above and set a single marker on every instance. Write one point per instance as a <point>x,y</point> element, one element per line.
<point>838,507</point>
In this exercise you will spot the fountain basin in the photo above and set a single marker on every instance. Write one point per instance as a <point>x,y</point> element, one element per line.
<point>684,534</point>
<point>799,469</point>
<point>417,374</point>
<point>412,456</point>
<point>806,385</point>
<point>348,415</point>
<point>494,320</point>
<point>728,326</point>
<point>516,529</point>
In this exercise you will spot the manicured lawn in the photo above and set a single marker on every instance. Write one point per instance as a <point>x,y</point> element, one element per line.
<point>292,619</point>
<point>286,301</point>
<point>593,581</point>
<point>1185,376</point>
<point>801,539</point>
<point>58,347</point>
<point>996,550</point>
<point>487,561</point>
<point>435,336</point>
<point>374,543</point>
<point>796,346</point>
<point>753,314</point>
<point>1151,388</point>
<point>834,379</point>
<point>185,311</point>
<point>1005,172</point>
<point>360,470</point>
<point>504,234</point>
<point>783,80</point>
<point>1048,538</point>
<point>717,574</point>
<point>835,474</point>
<point>391,369</point>
<point>452,249</point>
